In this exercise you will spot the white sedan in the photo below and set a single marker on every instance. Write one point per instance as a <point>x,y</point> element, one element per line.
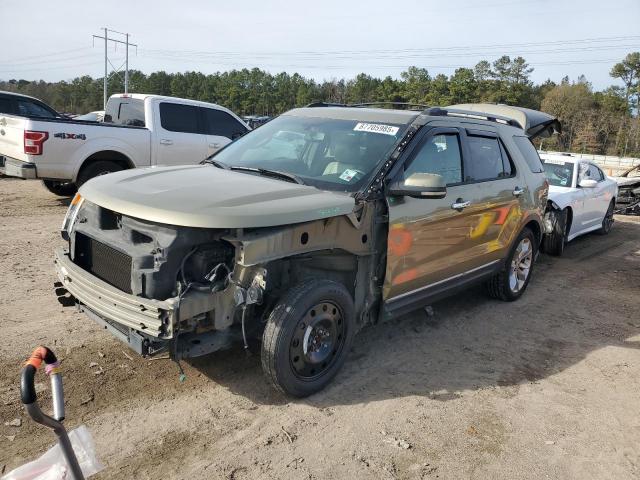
<point>581,200</point>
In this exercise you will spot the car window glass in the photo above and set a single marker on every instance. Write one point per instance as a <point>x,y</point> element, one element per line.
<point>558,172</point>
<point>131,113</point>
<point>179,118</point>
<point>598,175</point>
<point>486,159</point>
<point>221,123</point>
<point>5,105</point>
<point>589,172</point>
<point>30,109</point>
<point>440,154</point>
<point>529,153</point>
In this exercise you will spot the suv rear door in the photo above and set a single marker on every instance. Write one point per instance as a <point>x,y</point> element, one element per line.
<point>435,244</point>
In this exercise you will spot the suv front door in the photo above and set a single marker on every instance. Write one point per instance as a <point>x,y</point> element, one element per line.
<point>434,244</point>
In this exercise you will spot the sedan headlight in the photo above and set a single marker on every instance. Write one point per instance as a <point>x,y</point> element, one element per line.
<point>70,217</point>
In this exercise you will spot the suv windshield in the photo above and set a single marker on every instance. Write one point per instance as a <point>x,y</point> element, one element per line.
<point>327,153</point>
<point>558,173</point>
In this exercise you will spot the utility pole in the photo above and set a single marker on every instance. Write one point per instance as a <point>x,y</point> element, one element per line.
<point>107,62</point>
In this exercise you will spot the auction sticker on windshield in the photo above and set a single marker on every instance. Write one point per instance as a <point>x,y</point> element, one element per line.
<point>376,128</point>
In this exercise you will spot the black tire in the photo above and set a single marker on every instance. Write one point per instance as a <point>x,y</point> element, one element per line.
<point>293,359</point>
<point>62,189</point>
<point>95,169</point>
<point>499,286</point>
<point>553,243</point>
<point>607,221</point>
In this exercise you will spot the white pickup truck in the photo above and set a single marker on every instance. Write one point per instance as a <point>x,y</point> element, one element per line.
<point>137,131</point>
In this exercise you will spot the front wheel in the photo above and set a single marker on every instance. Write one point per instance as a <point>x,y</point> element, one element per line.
<point>553,243</point>
<point>307,337</point>
<point>510,283</point>
<point>607,221</point>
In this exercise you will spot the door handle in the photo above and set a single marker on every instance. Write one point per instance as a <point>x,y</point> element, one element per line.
<point>518,191</point>
<point>166,141</point>
<point>460,205</point>
<point>214,145</point>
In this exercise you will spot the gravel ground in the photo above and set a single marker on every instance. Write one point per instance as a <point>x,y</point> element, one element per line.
<point>546,387</point>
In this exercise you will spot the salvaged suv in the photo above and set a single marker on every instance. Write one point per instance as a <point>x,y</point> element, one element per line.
<point>321,221</point>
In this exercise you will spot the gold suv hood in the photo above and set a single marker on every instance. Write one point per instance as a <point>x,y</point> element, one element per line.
<point>209,197</point>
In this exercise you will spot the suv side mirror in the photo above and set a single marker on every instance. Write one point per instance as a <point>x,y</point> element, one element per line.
<point>420,185</point>
<point>587,183</point>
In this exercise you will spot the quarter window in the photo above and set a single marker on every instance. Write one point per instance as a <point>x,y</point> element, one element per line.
<point>221,123</point>
<point>440,154</point>
<point>179,118</point>
<point>487,161</point>
<point>529,153</point>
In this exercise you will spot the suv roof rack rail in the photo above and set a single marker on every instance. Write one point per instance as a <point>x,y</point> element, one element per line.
<point>369,104</point>
<point>438,111</point>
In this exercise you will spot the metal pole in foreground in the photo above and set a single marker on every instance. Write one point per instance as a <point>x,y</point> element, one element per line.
<point>104,106</point>
<point>126,67</point>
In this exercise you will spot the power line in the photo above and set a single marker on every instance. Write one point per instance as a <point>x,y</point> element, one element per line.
<point>107,62</point>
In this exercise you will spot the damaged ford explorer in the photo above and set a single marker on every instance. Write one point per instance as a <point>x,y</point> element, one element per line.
<point>324,220</point>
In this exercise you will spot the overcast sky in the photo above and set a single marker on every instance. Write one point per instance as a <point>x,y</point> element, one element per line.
<point>320,39</point>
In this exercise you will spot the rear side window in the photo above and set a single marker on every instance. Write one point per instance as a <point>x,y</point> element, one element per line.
<point>5,105</point>
<point>179,118</point>
<point>488,160</point>
<point>131,113</point>
<point>440,154</point>
<point>30,109</point>
<point>221,123</point>
<point>529,153</point>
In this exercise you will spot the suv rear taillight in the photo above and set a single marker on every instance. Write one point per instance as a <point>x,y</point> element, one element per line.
<point>33,142</point>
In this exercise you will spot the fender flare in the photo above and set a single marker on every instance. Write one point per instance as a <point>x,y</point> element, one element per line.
<point>91,148</point>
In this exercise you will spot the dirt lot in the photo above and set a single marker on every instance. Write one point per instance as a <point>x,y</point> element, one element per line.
<point>546,387</point>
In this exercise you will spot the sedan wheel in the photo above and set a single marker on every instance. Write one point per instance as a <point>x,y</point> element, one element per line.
<point>607,222</point>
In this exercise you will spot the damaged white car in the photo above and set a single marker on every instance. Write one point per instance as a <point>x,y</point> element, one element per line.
<point>581,199</point>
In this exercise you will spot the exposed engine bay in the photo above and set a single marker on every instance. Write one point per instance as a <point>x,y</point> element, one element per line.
<point>202,288</point>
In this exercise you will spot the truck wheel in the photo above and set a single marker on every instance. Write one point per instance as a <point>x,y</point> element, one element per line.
<point>510,283</point>
<point>553,243</point>
<point>62,189</point>
<point>95,169</point>
<point>307,337</point>
<point>607,221</point>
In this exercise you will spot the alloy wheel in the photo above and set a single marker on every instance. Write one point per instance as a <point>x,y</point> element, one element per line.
<point>520,265</point>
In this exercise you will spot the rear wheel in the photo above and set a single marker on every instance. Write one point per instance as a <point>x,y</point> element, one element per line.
<point>95,169</point>
<point>607,221</point>
<point>510,283</point>
<point>307,337</point>
<point>62,189</point>
<point>553,243</point>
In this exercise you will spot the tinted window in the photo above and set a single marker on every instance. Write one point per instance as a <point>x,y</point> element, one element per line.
<point>132,113</point>
<point>221,123</point>
<point>440,154</point>
<point>529,153</point>
<point>30,109</point>
<point>5,105</point>
<point>179,118</point>
<point>486,160</point>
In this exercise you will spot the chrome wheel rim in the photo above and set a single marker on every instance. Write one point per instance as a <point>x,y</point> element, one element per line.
<point>520,265</point>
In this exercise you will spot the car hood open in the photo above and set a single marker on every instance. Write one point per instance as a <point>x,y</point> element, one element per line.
<point>533,122</point>
<point>209,197</point>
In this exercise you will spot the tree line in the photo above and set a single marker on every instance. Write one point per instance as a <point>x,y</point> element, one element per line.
<point>600,122</point>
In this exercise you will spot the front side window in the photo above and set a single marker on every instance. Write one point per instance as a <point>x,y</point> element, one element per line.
<point>486,162</point>
<point>589,172</point>
<point>179,118</point>
<point>30,109</point>
<point>440,154</point>
<point>221,123</point>
<point>328,153</point>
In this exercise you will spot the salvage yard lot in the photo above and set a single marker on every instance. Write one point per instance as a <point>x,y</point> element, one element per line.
<point>546,387</point>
